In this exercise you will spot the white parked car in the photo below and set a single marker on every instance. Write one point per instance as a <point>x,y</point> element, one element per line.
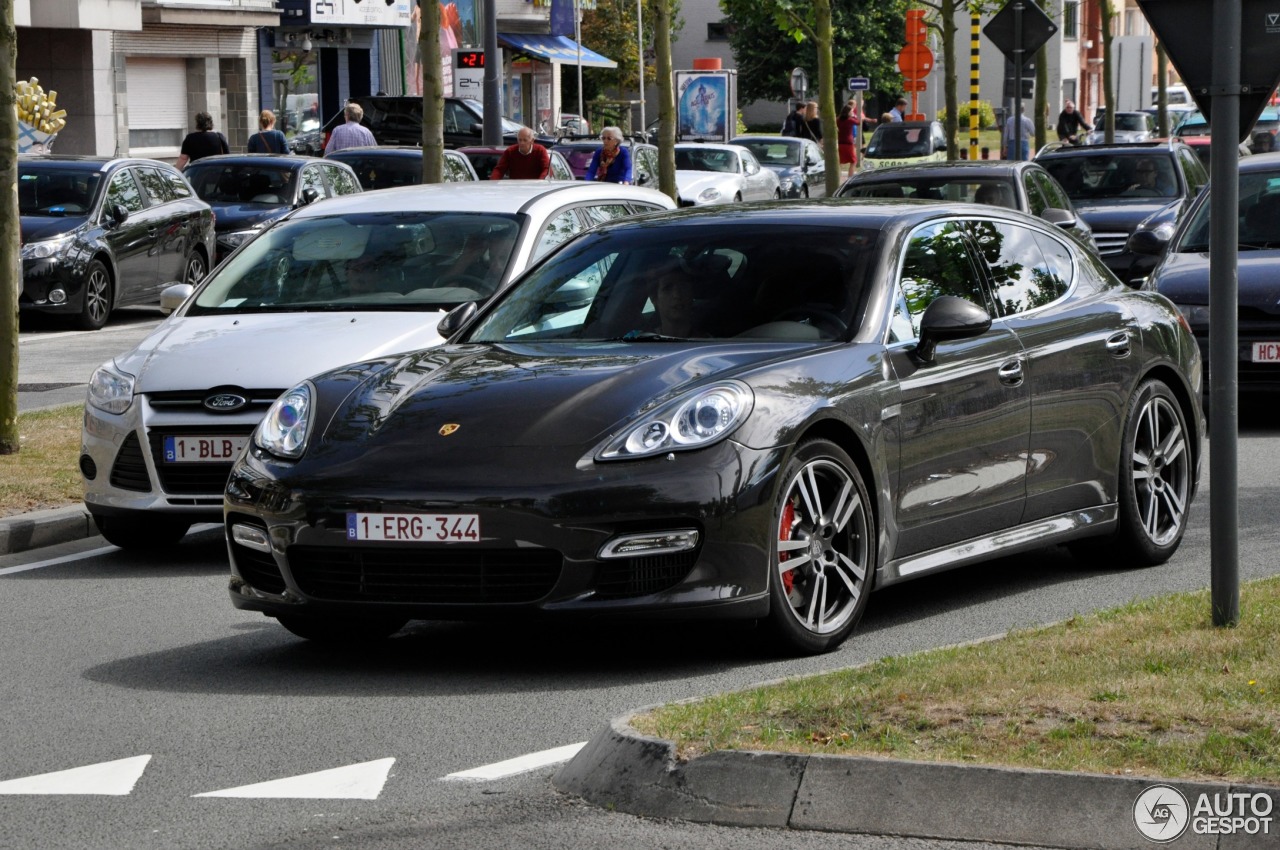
<point>721,174</point>
<point>342,280</point>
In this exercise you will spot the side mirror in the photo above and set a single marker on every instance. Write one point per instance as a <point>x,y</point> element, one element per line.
<point>947,318</point>
<point>173,296</point>
<point>1150,242</point>
<point>310,195</point>
<point>119,213</point>
<point>478,129</point>
<point>456,318</point>
<point>1062,218</point>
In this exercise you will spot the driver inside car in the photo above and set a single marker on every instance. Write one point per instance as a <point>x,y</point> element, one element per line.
<point>483,258</point>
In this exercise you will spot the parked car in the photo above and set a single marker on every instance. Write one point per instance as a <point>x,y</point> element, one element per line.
<point>1016,185</point>
<point>366,275</point>
<point>801,169</point>
<point>1108,192</point>
<point>765,411</point>
<point>1194,130</point>
<point>389,166</point>
<point>1183,273</point>
<point>644,159</point>
<point>398,121</point>
<point>1130,127</point>
<point>721,174</point>
<point>484,159</point>
<point>100,233</point>
<point>249,191</point>
<point>905,143</point>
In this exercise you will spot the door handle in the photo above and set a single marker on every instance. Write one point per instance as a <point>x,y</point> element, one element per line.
<point>1118,344</point>
<point>1011,373</point>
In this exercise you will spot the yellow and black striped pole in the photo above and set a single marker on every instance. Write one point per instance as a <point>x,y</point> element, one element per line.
<point>974,33</point>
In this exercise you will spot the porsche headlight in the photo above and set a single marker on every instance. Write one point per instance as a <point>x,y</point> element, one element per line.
<point>691,421</point>
<point>1197,314</point>
<point>47,248</point>
<point>706,196</point>
<point>111,389</point>
<point>236,238</point>
<point>284,430</point>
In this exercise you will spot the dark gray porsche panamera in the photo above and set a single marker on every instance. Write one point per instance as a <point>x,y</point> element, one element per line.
<point>762,411</point>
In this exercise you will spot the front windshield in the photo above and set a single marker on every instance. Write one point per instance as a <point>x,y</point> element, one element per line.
<point>706,159</point>
<point>1259,224</point>
<point>679,281</point>
<point>1131,176</point>
<point>56,191</point>
<point>891,141</point>
<point>238,183</point>
<point>774,153</point>
<point>1131,123</point>
<point>367,261</point>
<point>999,193</point>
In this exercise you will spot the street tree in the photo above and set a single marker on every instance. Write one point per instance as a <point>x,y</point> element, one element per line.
<point>611,30</point>
<point>1108,15</point>
<point>662,22</point>
<point>10,236</point>
<point>432,93</point>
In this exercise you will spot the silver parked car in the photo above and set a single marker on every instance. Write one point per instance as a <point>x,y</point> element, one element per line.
<point>352,278</point>
<point>721,174</point>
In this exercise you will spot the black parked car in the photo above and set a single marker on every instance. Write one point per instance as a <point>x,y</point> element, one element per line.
<point>1007,183</point>
<point>388,166</point>
<point>100,233</point>
<point>801,170</point>
<point>1123,189</point>
<point>1183,273</point>
<point>249,191</point>
<point>673,415</point>
<point>398,121</point>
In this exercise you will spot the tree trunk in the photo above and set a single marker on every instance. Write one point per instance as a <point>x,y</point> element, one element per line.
<point>432,93</point>
<point>1162,94</point>
<point>10,237</point>
<point>666,101</point>
<point>1108,98</point>
<point>1042,99</point>
<point>827,88</point>
<point>949,99</point>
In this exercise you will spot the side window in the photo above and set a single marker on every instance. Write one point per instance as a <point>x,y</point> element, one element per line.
<point>1059,266</point>
<point>343,182</point>
<point>600,213</point>
<point>1020,276</point>
<point>937,262</point>
<point>153,184</point>
<point>1053,193</point>
<point>453,170</point>
<point>457,119</point>
<point>1036,201</point>
<point>560,229</point>
<point>1193,171</point>
<point>312,179</point>
<point>178,187</point>
<point>124,191</point>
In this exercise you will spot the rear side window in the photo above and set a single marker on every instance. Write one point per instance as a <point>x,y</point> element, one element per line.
<point>343,181</point>
<point>153,184</point>
<point>124,191</point>
<point>1021,278</point>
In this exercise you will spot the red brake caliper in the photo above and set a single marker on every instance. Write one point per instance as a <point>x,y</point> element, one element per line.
<point>784,533</point>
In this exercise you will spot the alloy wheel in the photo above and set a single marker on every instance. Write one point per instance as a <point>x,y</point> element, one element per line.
<point>1161,470</point>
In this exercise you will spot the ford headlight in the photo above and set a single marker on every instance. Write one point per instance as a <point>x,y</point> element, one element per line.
<point>47,248</point>
<point>706,196</point>
<point>111,389</point>
<point>283,432</point>
<point>691,421</point>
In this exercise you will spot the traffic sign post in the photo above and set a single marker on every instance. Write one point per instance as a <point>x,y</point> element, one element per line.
<point>915,61</point>
<point>799,83</point>
<point>1018,30</point>
<point>859,84</point>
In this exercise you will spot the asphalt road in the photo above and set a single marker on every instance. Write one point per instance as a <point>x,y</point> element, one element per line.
<point>55,362</point>
<point>141,664</point>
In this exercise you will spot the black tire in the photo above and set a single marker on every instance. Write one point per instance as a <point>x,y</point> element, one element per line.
<point>141,533</point>
<point>342,630</point>
<point>777,194</point>
<point>1155,482</point>
<point>98,297</point>
<point>810,611</point>
<point>195,269</point>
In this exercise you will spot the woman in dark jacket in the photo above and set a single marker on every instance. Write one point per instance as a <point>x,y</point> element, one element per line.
<point>811,128</point>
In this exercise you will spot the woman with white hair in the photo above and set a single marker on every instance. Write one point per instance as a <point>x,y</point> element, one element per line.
<point>612,163</point>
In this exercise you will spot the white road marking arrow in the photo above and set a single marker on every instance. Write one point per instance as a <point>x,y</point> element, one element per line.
<point>354,782</point>
<point>522,764</point>
<point>115,778</point>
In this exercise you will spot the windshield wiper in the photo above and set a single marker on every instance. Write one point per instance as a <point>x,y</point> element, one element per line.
<point>646,336</point>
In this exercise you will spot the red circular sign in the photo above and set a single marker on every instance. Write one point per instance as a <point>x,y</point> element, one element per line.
<point>915,61</point>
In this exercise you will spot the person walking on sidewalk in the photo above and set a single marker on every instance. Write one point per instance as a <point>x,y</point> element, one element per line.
<point>351,134</point>
<point>1011,134</point>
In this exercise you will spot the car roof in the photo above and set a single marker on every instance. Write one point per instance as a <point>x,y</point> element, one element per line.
<point>292,159</point>
<point>85,162</point>
<point>786,140</point>
<point>1261,162</point>
<point>483,196</point>
<point>968,168</point>
<point>1149,146</point>
<point>709,146</point>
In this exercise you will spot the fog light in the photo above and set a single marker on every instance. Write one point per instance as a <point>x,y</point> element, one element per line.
<point>250,536</point>
<point>58,296</point>
<point>88,468</point>
<point>651,543</point>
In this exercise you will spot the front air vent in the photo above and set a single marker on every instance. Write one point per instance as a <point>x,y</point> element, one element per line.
<point>627,578</point>
<point>129,472</point>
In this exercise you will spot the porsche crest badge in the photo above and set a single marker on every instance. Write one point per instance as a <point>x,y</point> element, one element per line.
<point>446,430</point>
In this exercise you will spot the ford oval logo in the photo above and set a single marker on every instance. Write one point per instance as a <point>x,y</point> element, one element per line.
<point>225,402</point>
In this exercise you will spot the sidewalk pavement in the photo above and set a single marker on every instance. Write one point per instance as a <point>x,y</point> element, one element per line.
<point>622,769</point>
<point>625,770</point>
<point>36,529</point>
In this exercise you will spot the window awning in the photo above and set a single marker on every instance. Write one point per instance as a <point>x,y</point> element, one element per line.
<point>555,49</point>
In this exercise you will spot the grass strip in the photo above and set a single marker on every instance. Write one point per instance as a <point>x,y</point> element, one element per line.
<point>44,472</point>
<point>1151,688</point>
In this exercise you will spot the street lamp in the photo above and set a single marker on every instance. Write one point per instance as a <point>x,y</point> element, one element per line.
<point>577,37</point>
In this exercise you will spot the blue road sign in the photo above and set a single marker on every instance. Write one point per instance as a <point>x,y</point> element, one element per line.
<point>859,84</point>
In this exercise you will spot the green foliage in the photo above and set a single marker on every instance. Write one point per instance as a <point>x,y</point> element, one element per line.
<point>768,41</point>
<point>611,31</point>
<point>986,115</point>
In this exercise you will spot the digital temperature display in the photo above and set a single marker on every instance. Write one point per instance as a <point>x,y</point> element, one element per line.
<point>470,59</point>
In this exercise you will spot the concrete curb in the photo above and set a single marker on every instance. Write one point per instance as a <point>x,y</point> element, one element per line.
<point>37,529</point>
<point>622,769</point>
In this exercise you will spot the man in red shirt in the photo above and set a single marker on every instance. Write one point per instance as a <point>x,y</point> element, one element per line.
<point>524,160</point>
